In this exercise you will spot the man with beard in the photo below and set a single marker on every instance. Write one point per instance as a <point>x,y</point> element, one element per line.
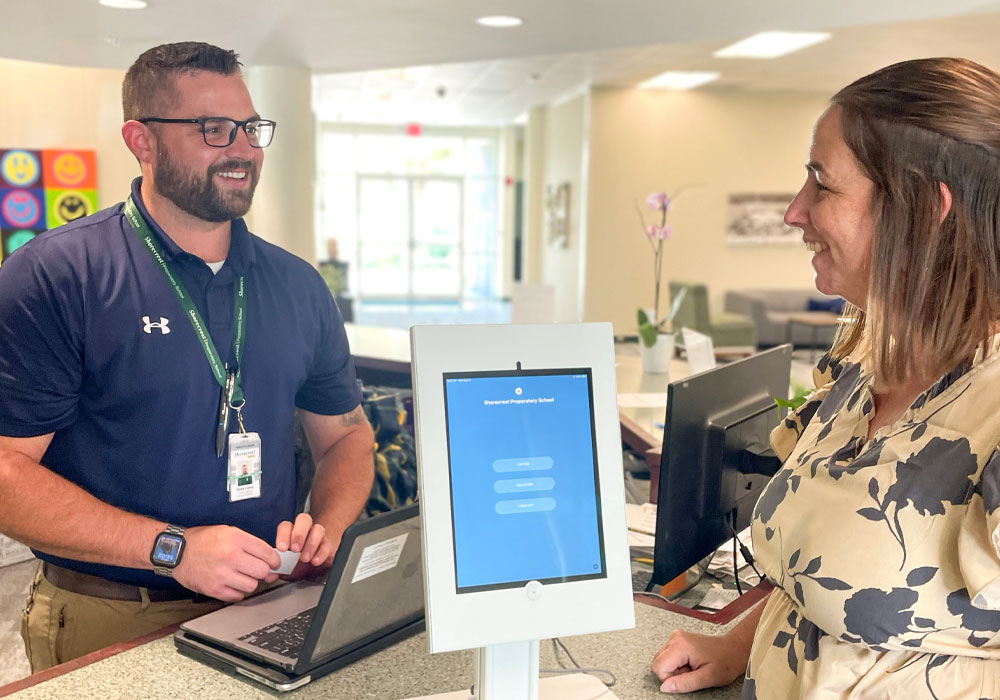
<point>152,357</point>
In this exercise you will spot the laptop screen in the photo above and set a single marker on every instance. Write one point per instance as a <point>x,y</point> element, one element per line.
<point>379,588</point>
<point>522,462</point>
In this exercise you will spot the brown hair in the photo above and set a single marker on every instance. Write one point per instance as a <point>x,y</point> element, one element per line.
<point>149,83</point>
<point>934,288</point>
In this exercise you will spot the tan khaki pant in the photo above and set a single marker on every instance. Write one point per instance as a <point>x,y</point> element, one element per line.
<point>59,625</point>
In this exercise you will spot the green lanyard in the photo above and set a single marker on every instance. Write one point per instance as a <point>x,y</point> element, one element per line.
<point>148,239</point>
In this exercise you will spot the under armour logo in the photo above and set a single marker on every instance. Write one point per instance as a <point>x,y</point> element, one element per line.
<point>162,325</point>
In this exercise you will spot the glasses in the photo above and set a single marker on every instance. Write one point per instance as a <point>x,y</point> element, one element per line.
<point>221,132</point>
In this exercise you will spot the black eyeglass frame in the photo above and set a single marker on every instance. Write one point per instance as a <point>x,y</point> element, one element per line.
<point>232,134</point>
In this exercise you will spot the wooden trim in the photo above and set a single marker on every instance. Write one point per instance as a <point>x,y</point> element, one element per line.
<point>74,664</point>
<point>635,436</point>
<point>719,617</point>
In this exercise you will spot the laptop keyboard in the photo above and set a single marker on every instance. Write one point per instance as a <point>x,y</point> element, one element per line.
<point>285,637</point>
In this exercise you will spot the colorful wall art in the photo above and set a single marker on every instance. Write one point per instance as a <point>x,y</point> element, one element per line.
<point>41,189</point>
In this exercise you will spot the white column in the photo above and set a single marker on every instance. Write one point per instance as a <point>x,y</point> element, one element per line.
<point>284,204</point>
<point>533,243</point>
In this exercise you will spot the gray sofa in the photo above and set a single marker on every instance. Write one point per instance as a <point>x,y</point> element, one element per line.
<point>770,309</point>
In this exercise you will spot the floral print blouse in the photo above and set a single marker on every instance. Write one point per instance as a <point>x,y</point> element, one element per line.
<point>884,552</point>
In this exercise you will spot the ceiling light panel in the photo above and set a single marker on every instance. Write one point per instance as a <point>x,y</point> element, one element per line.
<point>125,4</point>
<point>771,44</point>
<point>500,21</point>
<point>678,80</point>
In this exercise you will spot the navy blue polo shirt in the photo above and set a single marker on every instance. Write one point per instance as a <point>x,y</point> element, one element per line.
<point>95,348</point>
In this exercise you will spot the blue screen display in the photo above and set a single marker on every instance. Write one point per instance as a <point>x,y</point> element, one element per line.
<point>524,492</point>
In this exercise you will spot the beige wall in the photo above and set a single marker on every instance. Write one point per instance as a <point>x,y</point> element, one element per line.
<point>47,106</point>
<point>644,141</point>
<point>565,154</point>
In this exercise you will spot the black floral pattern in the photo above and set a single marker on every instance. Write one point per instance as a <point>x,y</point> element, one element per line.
<point>875,616</point>
<point>773,495</point>
<point>974,619</point>
<point>938,475</point>
<point>846,383</point>
<point>989,484</point>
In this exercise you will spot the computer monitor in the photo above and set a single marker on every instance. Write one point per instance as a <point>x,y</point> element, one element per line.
<point>522,492</point>
<point>716,457</point>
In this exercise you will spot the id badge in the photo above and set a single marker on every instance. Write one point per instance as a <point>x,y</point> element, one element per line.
<point>244,470</point>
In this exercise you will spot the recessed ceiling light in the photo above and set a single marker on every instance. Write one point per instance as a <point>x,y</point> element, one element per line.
<point>501,21</point>
<point>125,4</point>
<point>677,80</point>
<point>771,44</point>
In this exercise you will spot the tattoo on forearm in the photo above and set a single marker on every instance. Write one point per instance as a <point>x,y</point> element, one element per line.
<point>354,417</point>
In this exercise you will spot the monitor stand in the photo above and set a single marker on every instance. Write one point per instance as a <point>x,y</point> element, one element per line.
<point>510,672</point>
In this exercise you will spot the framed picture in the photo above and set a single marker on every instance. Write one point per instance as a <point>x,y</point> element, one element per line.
<point>557,213</point>
<point>758,219</point>
<point>41,189</point>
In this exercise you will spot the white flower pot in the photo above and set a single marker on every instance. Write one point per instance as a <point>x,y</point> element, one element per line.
<point>656,360</point>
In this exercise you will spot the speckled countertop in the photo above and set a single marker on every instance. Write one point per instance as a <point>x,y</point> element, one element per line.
<point>156,671</point>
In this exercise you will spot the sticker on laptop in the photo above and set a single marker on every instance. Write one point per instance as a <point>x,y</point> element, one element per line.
<point>379,557</point>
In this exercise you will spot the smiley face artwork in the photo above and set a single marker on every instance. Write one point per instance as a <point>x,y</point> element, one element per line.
<point>69,169</point>
<point>11,240</point>
<point>16,239</point>
<point>19,168</point>
<point>45,188</point>
<point>21,209</point>
<point>71,206</point>
<point>64,206</point>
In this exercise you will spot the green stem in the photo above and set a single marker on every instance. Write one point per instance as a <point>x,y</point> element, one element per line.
<point>658,271</point>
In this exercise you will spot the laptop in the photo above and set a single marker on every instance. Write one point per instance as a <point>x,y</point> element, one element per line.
<point>372,598</point>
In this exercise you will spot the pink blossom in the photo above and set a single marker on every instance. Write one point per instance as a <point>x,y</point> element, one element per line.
<point>661,233</point>
<point>658,201</point>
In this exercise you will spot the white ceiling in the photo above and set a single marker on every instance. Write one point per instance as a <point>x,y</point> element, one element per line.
<point>498,91</point>
<point>491,76</point>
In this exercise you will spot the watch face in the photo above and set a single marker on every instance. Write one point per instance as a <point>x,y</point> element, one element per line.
<point>167,549</point>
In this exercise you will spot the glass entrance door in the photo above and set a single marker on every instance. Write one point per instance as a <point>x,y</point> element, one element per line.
<point>410,237</point>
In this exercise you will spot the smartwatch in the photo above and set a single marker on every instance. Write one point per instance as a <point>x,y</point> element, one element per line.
<point>168,547</point>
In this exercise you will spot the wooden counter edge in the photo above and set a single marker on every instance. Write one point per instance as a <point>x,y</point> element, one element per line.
<point>720,617</point>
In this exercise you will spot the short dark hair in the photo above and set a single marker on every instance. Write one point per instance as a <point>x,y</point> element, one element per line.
<point>934,284</point>
<point>149,83</point>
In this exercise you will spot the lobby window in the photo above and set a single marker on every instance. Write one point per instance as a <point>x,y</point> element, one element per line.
<point>415,217</point>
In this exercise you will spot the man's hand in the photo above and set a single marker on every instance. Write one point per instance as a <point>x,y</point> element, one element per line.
<point>224,562</point>
<point>691,661</point>
<point>316,546</point>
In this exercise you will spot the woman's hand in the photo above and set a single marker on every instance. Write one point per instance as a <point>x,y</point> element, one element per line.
<point>690,661</point>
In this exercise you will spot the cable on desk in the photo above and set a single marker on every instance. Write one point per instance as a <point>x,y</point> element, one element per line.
<point>736,571</point>
<point>557,644</point>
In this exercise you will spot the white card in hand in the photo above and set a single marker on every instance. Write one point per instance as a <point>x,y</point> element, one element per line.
<point>288,561</point>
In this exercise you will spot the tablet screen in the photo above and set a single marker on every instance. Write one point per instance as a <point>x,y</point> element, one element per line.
<point>525,496</point>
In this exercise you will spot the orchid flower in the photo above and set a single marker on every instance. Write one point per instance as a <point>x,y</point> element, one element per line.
<point>655,235</point>
<point>657,201</point>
